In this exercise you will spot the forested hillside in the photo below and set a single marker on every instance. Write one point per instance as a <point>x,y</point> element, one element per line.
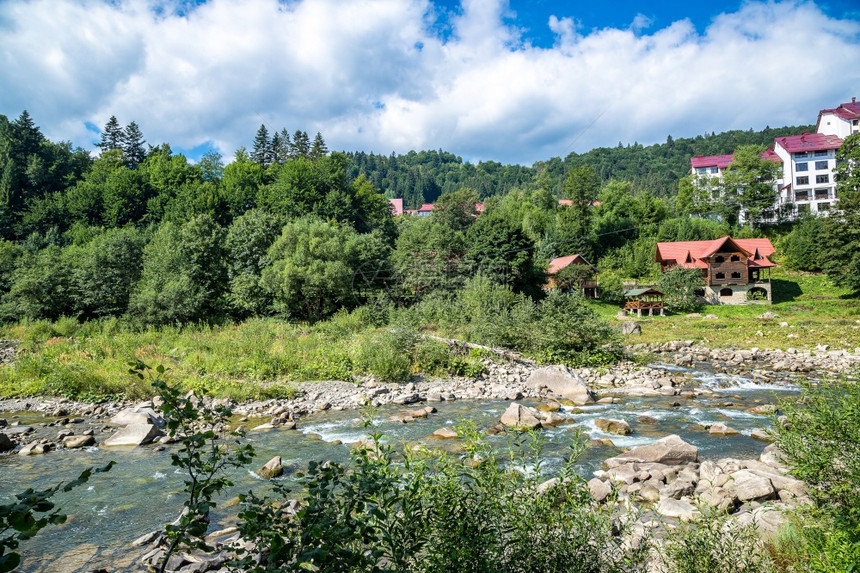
<point>421,177</point>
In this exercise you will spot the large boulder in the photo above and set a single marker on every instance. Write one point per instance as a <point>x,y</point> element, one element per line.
<point>272,469</point>
<point>751,487</point>
<point>671,450</point>
<point>562,381</point>
<point>520,417</point>
<point>631,328</point>
<point>5,443</point>
<point>137,415</point>
<point>73,442</point>
<point>670,507</point>
<point>613,426</point>
<point>133,435</point>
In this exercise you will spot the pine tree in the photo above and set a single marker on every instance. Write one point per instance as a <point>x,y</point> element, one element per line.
<point>112,135</point>
<point>262,153</point>
<point>132,145</point>
<point>281,148</point>
<point>319,148</point>
<point>301,146</point>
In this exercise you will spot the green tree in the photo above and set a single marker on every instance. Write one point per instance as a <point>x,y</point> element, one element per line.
<point>842,232</point>
<point>318,149</point>
<point>241,183</point>
<point>262,153</point>
<point>695,196</point>
<point>313,265</point>
<point>751,179</point>
<point>680,286</point>
<point>456,210</point>
<point>211,166</point>
<point>133,145</point>
<point>41,285</point>
<point>247,244</point>
<point>112,135</point>
<point>502,253</point>
<point>300,148</point>
<point>429,257</point>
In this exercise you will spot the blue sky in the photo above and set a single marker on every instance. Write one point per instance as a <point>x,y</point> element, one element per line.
<point>505,80</point>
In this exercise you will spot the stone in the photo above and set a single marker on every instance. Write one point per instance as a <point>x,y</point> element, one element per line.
<point>5,443</point>
<point>649,493</point>
<point>35,447</point>
<point>599,489</point>
<point>551,419</point>
<point>613,426</point>
<point>678,489</point>
<point>751,487</point>
<point>720,429</point>
<point>73,442</point>
<point>17,430</point>
<point>263,427</point>
<point>271,469</point>
<point>133,435</point>
<point>628,328</point>
<point>445,434</point>
<point>763,409</point>
<point>669,507</point>
<point>562,381</point>
<point>136,416</point>
<point>646,420</point>
<point>671,450</point>
<point>520,417</point>
<point>760,434</point>
<point>768,316</point>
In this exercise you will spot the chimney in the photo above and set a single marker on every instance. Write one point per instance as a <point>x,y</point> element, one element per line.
<point>853,100</point>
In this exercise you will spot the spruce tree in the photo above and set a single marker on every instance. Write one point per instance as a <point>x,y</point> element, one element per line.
<point>112,135</point>
<point>281,148</point>
<point>319,148</point>
<point>301,146</point>
<point>132,145</point>
<point>262,153</point>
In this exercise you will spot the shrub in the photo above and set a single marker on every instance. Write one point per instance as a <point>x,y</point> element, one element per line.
<point>680,286</point>
<point>386,355</point>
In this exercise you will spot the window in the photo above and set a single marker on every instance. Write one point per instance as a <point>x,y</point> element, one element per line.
<point>801,209</point>
<point>702,170</point>
<point>801,195</point>
<point>715,170</point>
<point>822,178</point>
<point>822,153</point>
<point>726,292</point>
<point>736,275</point>
<point>720,276</point>
<point>823,207</point>
<point>802,166</point>
<point>800,155</point>
<point>821,164</point>
<point>720,259</point>
<point>804,180</point>
<point>735,259</point>
<point>822,194</point>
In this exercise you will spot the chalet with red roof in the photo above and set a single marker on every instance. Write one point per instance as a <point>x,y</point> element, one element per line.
<point>736,271</point>
<point>583,278</point>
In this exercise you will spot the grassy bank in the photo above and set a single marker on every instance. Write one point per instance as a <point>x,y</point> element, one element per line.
<point>816,311</point>
<point>252,360</point>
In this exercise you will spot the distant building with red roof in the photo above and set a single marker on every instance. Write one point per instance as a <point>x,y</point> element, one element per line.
<point>588,284</point>
<point>733,269</point>
<point>841,121</point>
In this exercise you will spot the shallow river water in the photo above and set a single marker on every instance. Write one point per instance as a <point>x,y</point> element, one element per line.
<point>142,492</point>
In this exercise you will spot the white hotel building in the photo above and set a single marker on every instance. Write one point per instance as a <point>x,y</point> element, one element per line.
<point>807,184</point>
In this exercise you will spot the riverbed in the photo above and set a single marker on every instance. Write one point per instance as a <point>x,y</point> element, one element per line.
<point>143,491</point>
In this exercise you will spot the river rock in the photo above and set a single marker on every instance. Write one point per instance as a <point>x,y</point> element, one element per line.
<point>18,430</point>
<point>35,447</point>
<point>5,443</point>
<point>137,415</point>
<point>563,381</point>
<point>751,487</point>
<point>613,426</point>
<point>671,450</point>
<point>599,489</point>
<point>669,507</point>
<point>73,442</point>
<point>720,429</point>
<point>133,435</point>
<point>761,434</point>
<point>272,469</point>
<point>763,409</point>
<point>520,417</point>
<point>445,434</point>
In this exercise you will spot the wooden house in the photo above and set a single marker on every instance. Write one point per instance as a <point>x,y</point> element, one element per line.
<point>583,277</point>
<point>736,271</point>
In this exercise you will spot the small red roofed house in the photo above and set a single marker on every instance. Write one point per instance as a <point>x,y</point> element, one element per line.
<point>733,269</point>
<point>584,278</point>
<point>841,121</point>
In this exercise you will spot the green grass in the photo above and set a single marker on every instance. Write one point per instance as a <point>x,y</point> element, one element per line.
<point>816,311</point>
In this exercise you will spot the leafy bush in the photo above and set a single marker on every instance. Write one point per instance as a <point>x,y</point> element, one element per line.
<point>801,249</point>
<point>386,355</point>
<point>435,513</point>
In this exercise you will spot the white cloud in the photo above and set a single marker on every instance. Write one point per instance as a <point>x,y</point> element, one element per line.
<point>374,75</point>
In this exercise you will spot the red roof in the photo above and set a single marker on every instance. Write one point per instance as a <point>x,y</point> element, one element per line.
<point>425,207</point>
<point>689,254</point>
<point>809,142</point>
<point>849,111</point>
<point>721,161</point>
<point>396,206</point>
<point>559,263</point>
